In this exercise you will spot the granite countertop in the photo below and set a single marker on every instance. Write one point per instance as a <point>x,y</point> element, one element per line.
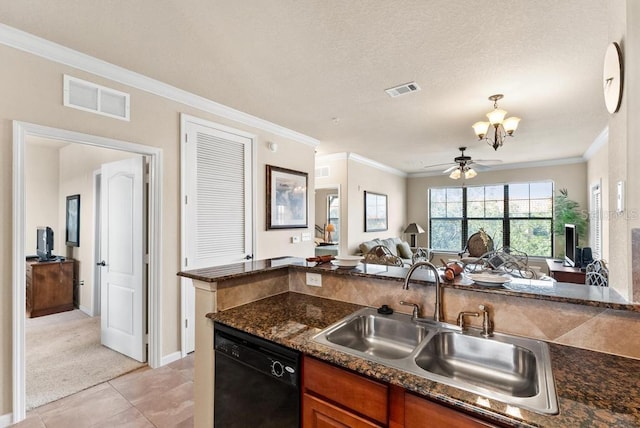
<point>604,297</point>
<point>594,389</point>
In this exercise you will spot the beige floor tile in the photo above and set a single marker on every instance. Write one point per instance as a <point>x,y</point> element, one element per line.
<point>32,420</point>
<point>84,409</point>
<point>154,383</point>
<point>184,366</point>
<point>172,408</point>
<point>130,418</point>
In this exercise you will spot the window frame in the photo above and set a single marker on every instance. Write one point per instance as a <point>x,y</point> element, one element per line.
<point>506,218</point>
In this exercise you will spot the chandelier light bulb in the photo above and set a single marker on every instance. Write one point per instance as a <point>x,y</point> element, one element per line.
<point>501,127</point>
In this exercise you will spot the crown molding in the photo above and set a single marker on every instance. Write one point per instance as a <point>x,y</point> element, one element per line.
<point>331,157</point>
<point>374,164</point>
<point>601,140</point>
<point>43,48</point>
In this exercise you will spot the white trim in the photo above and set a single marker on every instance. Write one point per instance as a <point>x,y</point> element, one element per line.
<point>154,314</point>
<point>598,143</point>
<point>95,301</point>
<point>357,158</point>
<point>26,42</point>
<point>86,310</point>
<point>5,420</point>
<point>168,359</point>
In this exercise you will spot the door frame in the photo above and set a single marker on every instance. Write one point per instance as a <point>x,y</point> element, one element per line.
<point>342,243</point>
<point>154,297</point>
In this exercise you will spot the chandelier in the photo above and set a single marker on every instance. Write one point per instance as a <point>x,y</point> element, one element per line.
<point>501,127</point>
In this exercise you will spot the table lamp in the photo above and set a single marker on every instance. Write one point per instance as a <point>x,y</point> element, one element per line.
<point>330,228</point>
<point>413,230</point>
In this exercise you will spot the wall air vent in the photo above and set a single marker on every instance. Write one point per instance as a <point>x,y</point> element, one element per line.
<point>322,172</point>
<point>402,89</point>
<point>94,98</point>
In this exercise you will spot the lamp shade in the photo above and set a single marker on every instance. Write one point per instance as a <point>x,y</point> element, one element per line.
<point>414,228</point>
<point>496,116</point>
<point>331,228</point>
<point>455,174</point>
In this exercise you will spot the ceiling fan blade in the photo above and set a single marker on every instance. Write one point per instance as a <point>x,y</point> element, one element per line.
<point>488,161</point>
<point>436,165</point>
<point>480,167</point>
<point>451,169</point>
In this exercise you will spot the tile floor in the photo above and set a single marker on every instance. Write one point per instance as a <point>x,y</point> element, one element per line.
<point>144,398</point>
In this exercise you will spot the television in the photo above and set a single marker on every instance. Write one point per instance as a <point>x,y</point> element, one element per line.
<point>44,243</point>
<point>570,245</point>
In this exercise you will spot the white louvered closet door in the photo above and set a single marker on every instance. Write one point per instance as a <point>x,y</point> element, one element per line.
<point>217,196</point>
<point>595,220</point>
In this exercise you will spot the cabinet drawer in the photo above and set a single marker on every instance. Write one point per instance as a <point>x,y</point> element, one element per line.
<point>362,395</point>
<point>423,413</point>
<point>320,414</point>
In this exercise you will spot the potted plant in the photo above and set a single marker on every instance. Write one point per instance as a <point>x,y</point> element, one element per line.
<point>567,211</point>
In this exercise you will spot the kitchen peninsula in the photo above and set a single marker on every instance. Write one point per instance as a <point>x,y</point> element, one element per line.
<point>592,387</point>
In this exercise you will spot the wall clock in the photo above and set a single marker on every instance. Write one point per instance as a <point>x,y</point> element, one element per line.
<point>612,75</point>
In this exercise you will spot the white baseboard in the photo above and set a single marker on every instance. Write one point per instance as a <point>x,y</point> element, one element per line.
<point>86,310</point>
<point>6,420</point>
<point>168,359</point>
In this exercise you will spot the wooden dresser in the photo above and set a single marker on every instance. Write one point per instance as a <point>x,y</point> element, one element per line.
<point>49,287</point>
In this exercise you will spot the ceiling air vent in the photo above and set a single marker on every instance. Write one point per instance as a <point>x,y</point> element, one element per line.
<point>95,98</point>
<point>402,89</point>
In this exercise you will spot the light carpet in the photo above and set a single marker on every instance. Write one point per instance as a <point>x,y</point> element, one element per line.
<point>64,356</point>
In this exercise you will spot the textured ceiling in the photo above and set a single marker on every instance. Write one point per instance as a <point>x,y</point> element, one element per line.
<point>300,64</point>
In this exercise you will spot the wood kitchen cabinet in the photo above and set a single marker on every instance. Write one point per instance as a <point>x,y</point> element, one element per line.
<point>49,287</point>
<point>334,397</point>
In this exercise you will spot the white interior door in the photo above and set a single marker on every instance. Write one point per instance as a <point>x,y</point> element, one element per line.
<point>217,212</point>
<point>123,291</point>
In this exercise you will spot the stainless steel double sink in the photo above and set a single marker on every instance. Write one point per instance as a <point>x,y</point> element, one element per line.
<point>510,369</point>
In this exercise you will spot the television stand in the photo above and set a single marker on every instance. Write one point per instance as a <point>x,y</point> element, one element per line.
<point>50,286</point>
<point>562,273</point>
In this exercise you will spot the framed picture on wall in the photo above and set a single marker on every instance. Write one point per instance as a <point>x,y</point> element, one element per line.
<point>73,221</point>
<point>287,199</point>
<point>375,212</point>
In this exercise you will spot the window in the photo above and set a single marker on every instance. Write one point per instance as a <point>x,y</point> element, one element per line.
<point>517,215</point>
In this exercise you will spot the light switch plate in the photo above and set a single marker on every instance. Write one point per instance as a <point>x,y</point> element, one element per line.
<point>620,197</point>
<point>295,239</point>
<point>306,236</point>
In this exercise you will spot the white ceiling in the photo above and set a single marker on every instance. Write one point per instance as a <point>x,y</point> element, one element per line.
<point>300,64</point>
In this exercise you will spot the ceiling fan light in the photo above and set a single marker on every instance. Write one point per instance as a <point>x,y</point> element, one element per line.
<point>455,174</point>
<point>470,173</point>
<point>496,116</point>
<point>510,124</point>
<point>481,128</point>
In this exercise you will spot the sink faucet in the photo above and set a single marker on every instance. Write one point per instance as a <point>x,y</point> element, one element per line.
<point>437,315</point>
<point>461,316</point>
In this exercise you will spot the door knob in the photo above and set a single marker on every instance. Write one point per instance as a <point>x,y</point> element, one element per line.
<point>102,263</point>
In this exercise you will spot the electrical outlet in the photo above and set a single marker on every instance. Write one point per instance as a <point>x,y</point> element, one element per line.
<point>295,239</point>
<point>306,236</point>
<point>314,279</point>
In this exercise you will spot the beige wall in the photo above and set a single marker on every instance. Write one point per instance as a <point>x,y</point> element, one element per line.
<point>32,92</point>
<point>572,177</point>
<point>624,129</point>
<point>41,182</point>
<point>361,178</point>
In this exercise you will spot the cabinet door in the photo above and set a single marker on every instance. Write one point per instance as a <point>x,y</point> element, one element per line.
<point>422,413</point>
<point>317,413</point>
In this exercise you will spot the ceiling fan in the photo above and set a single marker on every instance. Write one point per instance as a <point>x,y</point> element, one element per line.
<point>462,166</point>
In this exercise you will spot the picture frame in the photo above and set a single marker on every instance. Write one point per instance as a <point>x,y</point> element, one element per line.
<point>375,212</point>
<point>287,198</point>
<point>73,221</point>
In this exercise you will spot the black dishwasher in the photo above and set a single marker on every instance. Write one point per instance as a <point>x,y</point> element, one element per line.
<point>257,382</point>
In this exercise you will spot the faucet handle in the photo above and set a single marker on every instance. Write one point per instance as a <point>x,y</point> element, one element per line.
<point>416,309</point>
<point>487,325</point>
<point>463,314</point>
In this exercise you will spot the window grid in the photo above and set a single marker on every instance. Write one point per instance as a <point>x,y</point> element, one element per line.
<point>508,221</point>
